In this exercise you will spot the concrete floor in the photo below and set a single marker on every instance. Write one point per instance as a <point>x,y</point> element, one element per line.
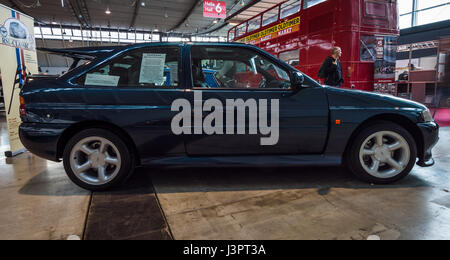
<point>37,201</point>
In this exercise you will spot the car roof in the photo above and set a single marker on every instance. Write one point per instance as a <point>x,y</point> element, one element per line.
<point>98,51</point>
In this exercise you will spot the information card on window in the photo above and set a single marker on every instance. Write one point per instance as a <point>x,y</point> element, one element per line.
<point>152,69</point>
<point>102,80</point>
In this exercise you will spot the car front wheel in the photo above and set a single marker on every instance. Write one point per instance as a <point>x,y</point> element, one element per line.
<point>382,153</point>
<point>96,160</point>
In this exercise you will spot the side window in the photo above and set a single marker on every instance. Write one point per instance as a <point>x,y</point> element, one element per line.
<point>290,8</point>
<point>310,3</point>
<point>235,68</point>
<point>155,67</point>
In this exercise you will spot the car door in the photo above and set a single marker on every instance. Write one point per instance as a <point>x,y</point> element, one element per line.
<point>246,74</point>
<point>135,91</point>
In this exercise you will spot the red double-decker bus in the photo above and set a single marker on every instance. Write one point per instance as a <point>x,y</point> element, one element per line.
<point>303,32</point>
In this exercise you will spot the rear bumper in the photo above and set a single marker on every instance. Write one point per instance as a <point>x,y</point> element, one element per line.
<point>41,139</point>
<point>430,133</point>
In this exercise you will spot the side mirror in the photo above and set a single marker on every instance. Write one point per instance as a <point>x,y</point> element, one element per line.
<point>297,80</point>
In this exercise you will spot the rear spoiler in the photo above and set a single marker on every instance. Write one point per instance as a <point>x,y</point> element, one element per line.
<point>77,54</point>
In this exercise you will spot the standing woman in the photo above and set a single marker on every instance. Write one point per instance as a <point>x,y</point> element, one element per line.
<point>331,70</point>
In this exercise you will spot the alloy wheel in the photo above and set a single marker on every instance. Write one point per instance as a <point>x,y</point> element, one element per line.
<point>95,160</point>
<point>385,154</point>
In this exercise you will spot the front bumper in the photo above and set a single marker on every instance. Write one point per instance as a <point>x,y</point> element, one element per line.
<point>430,134</point>
<point>41,139</point>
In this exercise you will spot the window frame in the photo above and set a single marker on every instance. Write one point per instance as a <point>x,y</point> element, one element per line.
<point>107,61</point>
<point>273,60</point>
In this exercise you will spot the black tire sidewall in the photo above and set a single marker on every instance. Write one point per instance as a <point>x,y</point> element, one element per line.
<point>353,161</point>
<point>127,159</point>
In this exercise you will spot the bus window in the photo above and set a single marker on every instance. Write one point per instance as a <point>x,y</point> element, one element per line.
<point>254,24</point>
<point>241,30</point>
<point>291,57</point>
<point>310,3</point>
<point>270,16</point>
<point>290,8</point>
<point>231,35</point>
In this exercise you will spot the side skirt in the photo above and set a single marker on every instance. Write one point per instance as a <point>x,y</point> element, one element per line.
<point>246,161</point>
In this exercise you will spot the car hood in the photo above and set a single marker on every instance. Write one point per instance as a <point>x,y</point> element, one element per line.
<point>362,99</point>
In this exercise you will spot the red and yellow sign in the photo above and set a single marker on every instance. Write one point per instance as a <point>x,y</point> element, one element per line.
<point>274,32</point>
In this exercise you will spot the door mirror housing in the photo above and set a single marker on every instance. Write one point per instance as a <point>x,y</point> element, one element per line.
<point>297,80</point>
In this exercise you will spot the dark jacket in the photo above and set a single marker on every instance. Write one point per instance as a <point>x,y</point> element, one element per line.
<point>331,73</point>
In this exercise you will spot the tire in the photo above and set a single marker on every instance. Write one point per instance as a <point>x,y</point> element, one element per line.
<point>386,163</point>
<point>98,171</point>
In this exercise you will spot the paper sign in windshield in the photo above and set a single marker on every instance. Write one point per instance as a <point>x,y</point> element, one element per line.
<point>152,69</point>
<point>102,80</point>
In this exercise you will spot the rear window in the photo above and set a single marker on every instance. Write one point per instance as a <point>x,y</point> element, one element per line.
<point>290,8</point>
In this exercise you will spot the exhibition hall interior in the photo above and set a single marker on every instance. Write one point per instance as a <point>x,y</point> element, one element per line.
<point>236,120</point>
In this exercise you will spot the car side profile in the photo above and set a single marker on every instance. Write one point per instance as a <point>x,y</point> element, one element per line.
<point>114,111</point>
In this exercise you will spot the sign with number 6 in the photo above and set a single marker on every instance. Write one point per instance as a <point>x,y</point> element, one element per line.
<point>214,9</point>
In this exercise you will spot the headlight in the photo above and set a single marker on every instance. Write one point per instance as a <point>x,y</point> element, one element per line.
<point>427,117</point>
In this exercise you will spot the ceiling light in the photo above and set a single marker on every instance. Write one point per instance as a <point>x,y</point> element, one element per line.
<point>108,11</point>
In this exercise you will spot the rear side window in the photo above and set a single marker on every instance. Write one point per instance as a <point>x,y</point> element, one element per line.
<point>155,67</point>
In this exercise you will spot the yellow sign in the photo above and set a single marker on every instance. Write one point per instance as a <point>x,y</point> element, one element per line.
<point>19,58</point>
<point>276,31</point>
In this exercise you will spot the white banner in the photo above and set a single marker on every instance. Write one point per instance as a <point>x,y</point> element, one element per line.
<point>18,55</point>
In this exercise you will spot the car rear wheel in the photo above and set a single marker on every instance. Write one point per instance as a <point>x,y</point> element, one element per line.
<point>382,153</point>
<point>96,160</point>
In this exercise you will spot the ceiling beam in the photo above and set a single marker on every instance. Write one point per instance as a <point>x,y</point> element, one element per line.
<point>85,12</point>
<point>226,22</point>
<point>17,7</point>
<point>135,13</point>
<point>252,3</point>
<point>191,10</point>
<point>74,12</point>
<point>80,12</point>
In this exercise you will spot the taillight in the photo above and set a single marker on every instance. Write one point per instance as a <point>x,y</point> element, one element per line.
<point>22,108</point>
